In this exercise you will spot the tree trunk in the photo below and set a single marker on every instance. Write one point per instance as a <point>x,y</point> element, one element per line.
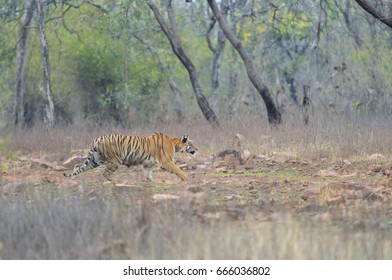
<point>218,52</point>
<point>46,87</point>
<point>306,106</point>
<point>274,116</point>
<point>21,59</point>
<point>176,45</point>
<point>371,9</point>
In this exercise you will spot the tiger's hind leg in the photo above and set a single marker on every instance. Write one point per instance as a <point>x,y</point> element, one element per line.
<point>94,159</point>
<point>110,169</point>
<point>147,168</point>
<point>148,173</point>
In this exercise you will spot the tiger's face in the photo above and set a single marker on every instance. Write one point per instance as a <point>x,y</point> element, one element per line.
<point>186,145</point>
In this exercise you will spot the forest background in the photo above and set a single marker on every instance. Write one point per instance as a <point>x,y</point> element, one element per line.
<point>317,187</point>
<point>111,63</point>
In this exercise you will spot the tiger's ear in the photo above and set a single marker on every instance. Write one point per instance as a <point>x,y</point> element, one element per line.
<point>184,138</point>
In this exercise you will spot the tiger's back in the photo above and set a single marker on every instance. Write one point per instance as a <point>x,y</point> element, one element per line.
<point>114,150</point>
<point>122,149</point>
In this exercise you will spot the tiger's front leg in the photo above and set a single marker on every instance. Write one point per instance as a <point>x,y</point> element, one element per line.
<point>172,168</point>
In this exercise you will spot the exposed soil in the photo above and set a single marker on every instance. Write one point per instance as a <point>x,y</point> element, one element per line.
<point>261,188</point>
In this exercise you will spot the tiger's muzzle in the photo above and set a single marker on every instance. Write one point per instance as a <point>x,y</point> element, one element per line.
<point>190,149</point>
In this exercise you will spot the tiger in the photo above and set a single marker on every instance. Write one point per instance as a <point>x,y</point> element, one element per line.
<point>114,150</point>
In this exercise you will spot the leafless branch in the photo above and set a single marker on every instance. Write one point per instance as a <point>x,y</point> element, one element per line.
<point>208,35</point>
<point>374,12</point>
<point>77,6</point>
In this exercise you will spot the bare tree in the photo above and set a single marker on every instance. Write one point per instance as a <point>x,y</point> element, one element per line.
<point>381,10</point>
<point>218,52</point>
<point>21,59</point>
<point>46,85</point>
<point>175,42</point>
<point>21,51</point>
<point>274,116</point>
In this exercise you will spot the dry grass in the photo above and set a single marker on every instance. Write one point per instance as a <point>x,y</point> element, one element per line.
<point>52,224</point>
<point>322,139</point>
<point>92,221</point>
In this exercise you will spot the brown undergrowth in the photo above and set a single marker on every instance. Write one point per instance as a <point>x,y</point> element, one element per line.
<point>317,192</point>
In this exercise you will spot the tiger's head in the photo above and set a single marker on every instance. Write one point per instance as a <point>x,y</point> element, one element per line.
<point>185,145</point>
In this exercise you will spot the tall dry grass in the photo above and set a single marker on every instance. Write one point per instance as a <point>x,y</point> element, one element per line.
<point>52,224</point>
<point>321,139</point>
<point>45,222</point>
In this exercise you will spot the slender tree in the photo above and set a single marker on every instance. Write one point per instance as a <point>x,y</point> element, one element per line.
<point>381,13</point>
<point>175,42</point>
<point>46,83</point>
<point>218,52</point>
<point>21,59</point>
<point>274,116</point>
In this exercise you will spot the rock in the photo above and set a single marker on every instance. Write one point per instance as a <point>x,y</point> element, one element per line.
<point>59,168</point>
<point>369,173</point>
<point>376,168</point>
<point>211,216</point>
<point>72,161</point>
<point>324,160</point>
<point>124,185</point>
<point>40,163</point>
<point>351,175</point>
<point>201,166</point>
<point>376,157</point>
<point>247,154</point>
<point>47,165</point>
<point>253,191</point>
<point>230,156</point>
<point>388,173</point>
<point>327,173</point>
<point>218,164</point>
<point>222,169</point>
<point>164,197</point>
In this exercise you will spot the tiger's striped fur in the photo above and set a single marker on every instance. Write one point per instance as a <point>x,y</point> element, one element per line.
<point>114,150</point>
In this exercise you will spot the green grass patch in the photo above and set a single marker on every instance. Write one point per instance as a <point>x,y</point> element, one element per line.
<point>286,173</point>
<point>234,174</point>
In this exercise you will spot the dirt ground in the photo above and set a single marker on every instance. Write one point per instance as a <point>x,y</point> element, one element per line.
<point>253,188</point>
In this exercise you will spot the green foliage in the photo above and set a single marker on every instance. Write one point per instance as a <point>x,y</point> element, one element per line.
<point>101,73</point>
<point>290,24</point>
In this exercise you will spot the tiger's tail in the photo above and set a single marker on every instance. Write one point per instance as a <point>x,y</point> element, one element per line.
<point>93,160</point>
